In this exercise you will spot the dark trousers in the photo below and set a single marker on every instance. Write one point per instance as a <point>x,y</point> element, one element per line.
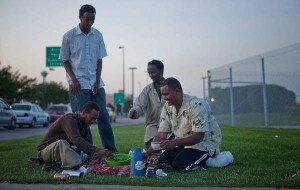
<point>104,127</point>
<point>183,159</point>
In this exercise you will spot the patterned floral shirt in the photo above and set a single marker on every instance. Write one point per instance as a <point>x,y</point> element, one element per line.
<point>194,115</point>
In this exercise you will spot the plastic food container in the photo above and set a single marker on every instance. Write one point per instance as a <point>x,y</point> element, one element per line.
<point>119,160</point>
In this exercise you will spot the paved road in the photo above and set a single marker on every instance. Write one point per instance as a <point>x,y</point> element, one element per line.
<point>6,134</point>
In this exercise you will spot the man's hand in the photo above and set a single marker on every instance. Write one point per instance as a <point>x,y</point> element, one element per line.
<point>168,145</point>
<point>133,114</point>
<point>102,152</point>
<point>96,87</point>
<point>75,87</point>
<point>145,155</point>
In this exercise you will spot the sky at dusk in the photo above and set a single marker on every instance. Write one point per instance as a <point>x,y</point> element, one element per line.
<point>189,37</point>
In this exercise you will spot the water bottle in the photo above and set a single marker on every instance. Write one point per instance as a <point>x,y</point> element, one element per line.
<point>83,156</point>
<point>136,162</point>
<point>75,173</point>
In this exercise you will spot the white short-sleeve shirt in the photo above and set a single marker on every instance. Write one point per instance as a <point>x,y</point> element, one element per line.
<point>83,52</point>
<point>194,115</point>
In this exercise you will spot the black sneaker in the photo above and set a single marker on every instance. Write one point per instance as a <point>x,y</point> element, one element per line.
<point>36,162</point>
<point>46,167</point>
<point>54,167</point>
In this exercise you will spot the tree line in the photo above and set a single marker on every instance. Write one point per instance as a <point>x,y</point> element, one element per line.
<point>14,87</point>
<point>249,99</point>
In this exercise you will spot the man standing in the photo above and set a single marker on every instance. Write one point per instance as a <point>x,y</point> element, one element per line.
<point>197,133</point>
<point>82,51</point>
<point>150,102</point>
<point>70,129</point>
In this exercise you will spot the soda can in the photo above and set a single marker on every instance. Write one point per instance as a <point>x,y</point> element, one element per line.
<point>121,174</point>
<point>61,177</point>
<point>149,172</point>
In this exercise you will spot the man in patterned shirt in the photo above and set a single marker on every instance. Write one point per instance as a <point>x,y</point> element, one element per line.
<point>197,133</point>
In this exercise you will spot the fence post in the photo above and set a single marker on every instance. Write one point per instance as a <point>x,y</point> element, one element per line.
<point>204,95</point>
<point>209,85</point>
<point>231,97</point>
<point>264,92</point>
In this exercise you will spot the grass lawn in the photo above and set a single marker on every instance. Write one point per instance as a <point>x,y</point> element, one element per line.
<point>261,160</point>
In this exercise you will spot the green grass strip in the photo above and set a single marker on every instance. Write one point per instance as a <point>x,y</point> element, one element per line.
<point>263,158</point>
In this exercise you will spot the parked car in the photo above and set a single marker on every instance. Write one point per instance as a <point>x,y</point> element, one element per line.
<point>30,114</point>
<point>7,116</point>
<point>57,110</point>
<point>112,114</point>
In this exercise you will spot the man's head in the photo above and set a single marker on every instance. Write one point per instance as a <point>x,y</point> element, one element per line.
<point>89,112</point>
<point>156,70</point>
<point>87,15</point>
<point>172,91</point>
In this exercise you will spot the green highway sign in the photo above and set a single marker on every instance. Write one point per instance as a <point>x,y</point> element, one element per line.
<point>52,57</point>
<point>118,98</point>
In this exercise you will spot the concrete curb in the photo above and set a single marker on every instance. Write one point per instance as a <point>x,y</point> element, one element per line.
<point>14,186</point>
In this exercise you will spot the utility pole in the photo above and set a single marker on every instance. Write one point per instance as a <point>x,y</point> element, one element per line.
<point>123,63</point>
<point>132,70</point>
<point>123,58</point>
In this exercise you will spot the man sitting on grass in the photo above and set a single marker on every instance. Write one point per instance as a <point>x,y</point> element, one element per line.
<point>197,133</point>
<point>70,129</point>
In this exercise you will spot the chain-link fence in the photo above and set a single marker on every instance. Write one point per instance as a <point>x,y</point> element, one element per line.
<point>262,90</point>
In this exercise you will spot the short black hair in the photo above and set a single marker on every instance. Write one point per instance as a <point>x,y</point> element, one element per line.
<point>159,65</point>
<point>86,8</point>
<point>172,83</point>
<point>89,106</point>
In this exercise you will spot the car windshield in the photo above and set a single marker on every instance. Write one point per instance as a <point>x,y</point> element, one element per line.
<point>57,108</point>
<point>21,107</point>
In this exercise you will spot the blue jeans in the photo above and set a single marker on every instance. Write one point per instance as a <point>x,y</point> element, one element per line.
<point>104,127</point>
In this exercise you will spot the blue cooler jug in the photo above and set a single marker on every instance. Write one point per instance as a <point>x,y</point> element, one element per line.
<point>136,162</point>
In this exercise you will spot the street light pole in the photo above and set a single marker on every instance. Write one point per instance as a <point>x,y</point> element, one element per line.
<point>123,56</point>
<point>44,74</point>
<point>132,70</point>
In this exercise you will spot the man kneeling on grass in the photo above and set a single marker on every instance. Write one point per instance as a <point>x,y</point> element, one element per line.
<point>70,129</point>
<point>197,133</point>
